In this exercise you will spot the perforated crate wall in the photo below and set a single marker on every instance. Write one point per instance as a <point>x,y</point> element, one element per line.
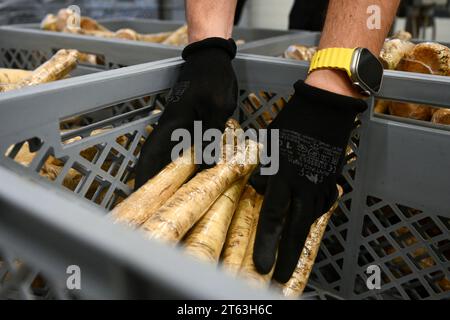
<point>30,59</point>
<point>411,247</point>
<point>92,158</point>
<point>15,58</point>
<point>19,281</point>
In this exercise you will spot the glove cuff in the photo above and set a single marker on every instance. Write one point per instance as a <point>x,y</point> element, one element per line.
<point>229,46</point>
<point>329,99</point>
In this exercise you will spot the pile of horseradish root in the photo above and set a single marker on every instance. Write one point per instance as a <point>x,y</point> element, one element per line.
<point>213,214</point>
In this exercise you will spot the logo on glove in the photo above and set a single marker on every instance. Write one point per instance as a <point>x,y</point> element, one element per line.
<point>177,91</point>
<point>314,159</point>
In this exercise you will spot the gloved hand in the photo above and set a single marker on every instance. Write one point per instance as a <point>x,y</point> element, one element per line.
<point>206,90</point>
<point>314,129</point>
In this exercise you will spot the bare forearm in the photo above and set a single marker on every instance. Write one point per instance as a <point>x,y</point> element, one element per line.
<point>346,26</point>
<point>210,18</point>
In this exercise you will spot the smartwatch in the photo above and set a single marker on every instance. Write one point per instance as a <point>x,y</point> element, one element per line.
<point>363,68</point>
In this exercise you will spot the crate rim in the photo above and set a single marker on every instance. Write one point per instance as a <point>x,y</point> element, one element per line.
<point>175,23</point>
<point>21,28</point>
<point>181,22</point>
<point>392,79</point>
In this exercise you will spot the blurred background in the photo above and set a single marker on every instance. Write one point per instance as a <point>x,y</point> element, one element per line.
<point>426,19</point>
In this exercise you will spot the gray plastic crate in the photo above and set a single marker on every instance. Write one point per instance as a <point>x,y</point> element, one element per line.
<point>276,46</point>
<point>394,214</point>
<point>148,26</point>
<point>22,11</point>
<point>249,35</point>
<point>27,49</point>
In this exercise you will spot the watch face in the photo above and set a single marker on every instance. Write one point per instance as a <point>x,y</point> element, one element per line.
<point>369,71</point>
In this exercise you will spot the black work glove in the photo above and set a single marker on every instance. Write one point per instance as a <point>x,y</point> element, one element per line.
<point>314,130</point>
<point>206,90</point>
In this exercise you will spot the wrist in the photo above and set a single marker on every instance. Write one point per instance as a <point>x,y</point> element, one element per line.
<point>227,46</point>
<point>199,37</point>
<point>326,101</point>
<point>336,81</point>
<point>199,34</point>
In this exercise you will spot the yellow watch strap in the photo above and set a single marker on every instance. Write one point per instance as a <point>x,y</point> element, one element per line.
<point>333,58</point>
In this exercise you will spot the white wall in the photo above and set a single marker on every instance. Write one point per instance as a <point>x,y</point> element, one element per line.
<point>271,14</point>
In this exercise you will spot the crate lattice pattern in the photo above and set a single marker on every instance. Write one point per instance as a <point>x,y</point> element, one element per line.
<point>98,169</point>
<point>16,58</point>
<point>411,247</point>
<point>93,159</point>
<point>19,281</point>
<point>22,58</point>
<point>31,59</point>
